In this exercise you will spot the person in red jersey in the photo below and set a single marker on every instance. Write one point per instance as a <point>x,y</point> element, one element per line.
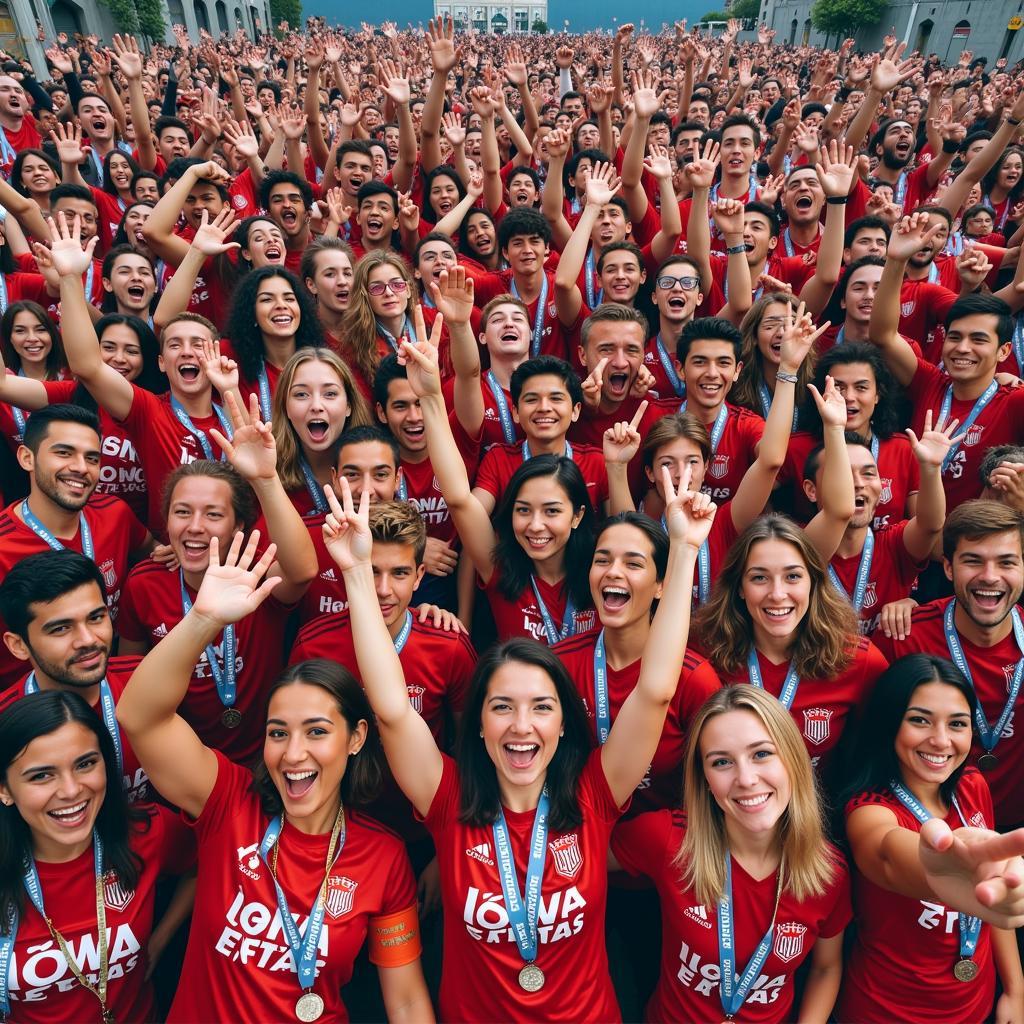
<point>208,501</point>
<point>918,952</point>
<point>526,792</point>
<point>872,569</point>
<point>979,330</point>
<point>61,455</point>
<point>292,878</point>
<point>776,620</point>
<point>79,869</point>
<point>980,628</point>
<point>747,863</point>
<point>59,626</point>
<point>18,128</point>
<point>327,272</point>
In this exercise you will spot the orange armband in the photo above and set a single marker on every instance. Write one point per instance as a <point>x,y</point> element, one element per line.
<point>395,938</point>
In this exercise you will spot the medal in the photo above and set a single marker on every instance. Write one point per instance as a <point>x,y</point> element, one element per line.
<point>531,977</point>
<point>309,1006</point>
<point>966,969</point>
<point>988,762</point>
<point>231,718</point>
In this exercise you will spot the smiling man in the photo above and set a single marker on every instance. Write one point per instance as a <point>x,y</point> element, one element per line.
<point>288,199</point>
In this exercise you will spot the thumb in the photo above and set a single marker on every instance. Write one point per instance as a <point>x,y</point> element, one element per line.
<point>937,834</point>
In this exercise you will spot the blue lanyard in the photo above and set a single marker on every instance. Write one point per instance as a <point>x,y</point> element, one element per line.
<point>766,404</point>
<point>227,688</point>
<point>900,191</point>
<point>263,380</point>
<point>3,294</point>
<point>1018,341</point>
<point>874,447</point>
<point>508,427</point>
<point>841,336</point>
<point>979,406</point>
<point>718,428</point>
<point>933,274</point>
<point>988,737</point>
<point>527,455</point>
<point>863,572</point>
<point>678,385</point>
<point>44,534</point>
<point>602,710</point>
<point>304,947</point>
<point>732,988</point>
<point>787,240</point>
<point>315,490</point>
<point>7,152</point>
<point>408,334</point>
<point>970,926</point>
<point>789,686</point>
<point>568,618</point>
<point>403,633</point>
<point>955,244</point>
<point>703,567</point>
<point>18,414</point>
<point>106,707</point>
<point>594,298</point>
<point>538,318</point>
<point>523,909</point>
<point>204,442</point>
<point>756,294</point>
<point>1004,216</point>
<point>402,488</point>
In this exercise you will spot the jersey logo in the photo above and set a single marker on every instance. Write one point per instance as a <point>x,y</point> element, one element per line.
<point>160,630</point>
<point>239,202</point>
<point>329,575</point>
<point>870,595</point>
<point>115,896</point>
<point>249,861</point>
<point>886,496</point>
<point>481,853</point>
<point>906,308</point>
<point>973,435</point>
<point>977,820</point>
<point>719,467</point>
<point>566,852</point>
<point>109,573</point>
<point>698,914</point>
<point>1009,671</point>
<point>340,894</point>
<point>789,940</point>
<point>552,310</point>
<point>816,724</point>
<point>416,697</point>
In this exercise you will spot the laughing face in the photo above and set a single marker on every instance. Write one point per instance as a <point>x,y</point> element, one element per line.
<point>988,577</point>
<point>677,456</point>
<point>377,217</point>
<point>180,345</point>
<point>776,588</point>
<point>934,737</point>
<point>287,209</point>
<point>96,120</point>
<point>623,577</point>
<point>543,518</point>
<point>444,195</point>
<point>622,344</point>
<point>277,308</point>
<point>331,282</point>
<point>507,332</point>
<point>37,176</point>
<point>265,245</point>
<point>861,289</point>
<point>709,371</point>
<point>200,509</point>
<point>971,350</point>
<point>434,257</point>
<point>133,283</point>
<point>522,192</point>
<point>859,389</point>
<point>404,417</point>
<point>770,329</point>
<point>121,350</point>
<point>621,276</point>
<point>803,197</point>
<point>545,408</point>
<point>32,341</point>
<point>66,468</point>
<point>317,405</point>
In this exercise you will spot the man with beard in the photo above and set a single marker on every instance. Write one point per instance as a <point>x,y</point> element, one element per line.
<point>61,454</point>
<point>58,623</point>
<point>981,631</point>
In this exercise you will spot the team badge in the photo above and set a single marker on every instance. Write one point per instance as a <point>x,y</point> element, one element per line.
<point>552,310</point>
<point>907,308</point>
<point>340,894</point>
<point>886,496</point>
<point>870,595</point>
<point>719,467</point>
<point>109,574</point>
<point>249,861</point>
<point>566,852</point>
<point>973,435</point>
<point>816,724</point>
<point>789,940</point>
<point>1009,671</point>
<point>115,895</point>
<point>416,697</point>
<point>977,820</point>
<point>239,202</point>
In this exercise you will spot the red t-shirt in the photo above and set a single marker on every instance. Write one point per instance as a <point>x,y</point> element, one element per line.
<point>553,336</point>
<point>522,617</point>
<point>42,987</point>
<point>153,609</point>
<point>663,386</point>
<point>662,786</point>
<point>688,981</point>
<point>26,137</point>
<point>795,271</point>
<point>491,433</point>
<point>115,534</point>
<point>482,961</point>
<point>736,451</point>
<point>992,671</point>
<point>901,964</point>
<point>111,210</point>
<point>238,964</point>
<point>500,463</point>
<point>211,294</point>
<point>924,306</point>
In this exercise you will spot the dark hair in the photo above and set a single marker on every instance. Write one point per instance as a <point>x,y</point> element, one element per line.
<point>365,771</point>
<point>476,211</point>
<point>984,305</point>
<point>272,86</point>
<point>37,426</point>
<point>19,162</point>
<point>167,121</point>
<point>766,211</point>
<point>121,235</point>
<point>515,563</point>
<point>431,236</point>
<point>709,328</point>
<point>109,304</point>
<point>152,378</point>
<point>354,146</point>
<point>653,531</point>
<point>42,578</point>
<point>833,311</point>
<point>39,714</point>
<point>241,236</point>
<point>973,211</point>
<point>244,331</point>
<point>813,460</point>
<point>179,165</point>
<point>376,188</point>
<point>546,365</point>
<point>71,192</point>
<point>368,434</point>
<point>389,369</point>
<point>523,222</point>
<point>244,504</point>
<point>572,166</point>
<point>518,172</point>
<point>108,185</point>
<point>885,418</point>
<point>89,96</point>
<point>275,178</point>
<point>860,224</point>
<point>55,361</point>
<point>144,176</point>
<point>990,179</point>
<point>873,762</point>
<point>441,171</point>
<point>622,246</point>
<point>743,120</point>
<point>478,783</point>
<point>995,456</point>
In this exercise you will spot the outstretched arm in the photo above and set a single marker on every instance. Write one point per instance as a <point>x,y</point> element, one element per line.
<point>129,60</point>
<point>159,228</point>
<point>925,528</point>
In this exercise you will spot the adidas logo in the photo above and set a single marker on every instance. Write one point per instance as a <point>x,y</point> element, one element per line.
<point>482,853</point>
<point>698,914</point>
<point>160,630</point>
<point>328,574</point>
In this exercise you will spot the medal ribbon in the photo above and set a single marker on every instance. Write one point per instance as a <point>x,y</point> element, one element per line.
<point>860,585</point>
<point>703,567</point>
<point>976,411</point>
<point>602,710</point>
<point>538,318</point>
<point>403,634</point>
<point>226,683</point>
<point>568,619</point>
<point>18,414</point>
<point>508,427</point>
<point>988,737</point>
<point>44,534</point>
<point>718,428</point>
<point>669,367</point>
<point>1018,341</point>
<point>263,380</point>
<point>204,442</point>
<point>766,404</point>
<point>789,685</point>
<point>594,297</point>
<point>527,454</point>
<point>523,909</point>
<point>314,489</point>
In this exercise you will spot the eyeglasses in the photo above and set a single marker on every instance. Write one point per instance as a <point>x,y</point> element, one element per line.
<point>688,284</point>
<point>398,286</point>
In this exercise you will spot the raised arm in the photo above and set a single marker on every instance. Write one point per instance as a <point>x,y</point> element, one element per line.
<point>621,442</point>
<point>659,166</point>
<point>129,60</point>
<point>739,290</point>
<point>557,145</point>
<point>925,528</point>
<point>396,86</point>
<point>490,164</point>
<point>516,72</point>
<point>315,54</point>
<point>159,228</point>
<point>441,43</point>
<point>700,174</point>
<point>887,73</point>
<point>453,297</point>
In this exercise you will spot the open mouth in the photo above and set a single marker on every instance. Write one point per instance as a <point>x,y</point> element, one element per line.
<point>289,217</point>
<point>445,206</point>
<point>804,203</point>
<point>778,614</point>
<point>988,599</point>
<point>189,372</point>
<point>618,382</point>
<point>860,502</point>
<point>317,430</point>
<point>538,543</point>
<point>299,784</point>
<point>961,363</point>
<point>521,755</point>
<point>753,803</point>
<point>414,432</point>
<point>194,550</point>
<point>342,296</point>
<point>274,253</point>
<point>284,320</point>
<point>70,817</point>
<point>374,225</point>
<point>136,292</point>
<point>677,303</point>
<point>614,598</point>
<point>934,760</point>
<point>522,198</point>
<point>99,124</point>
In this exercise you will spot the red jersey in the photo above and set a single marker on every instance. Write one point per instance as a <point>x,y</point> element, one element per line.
<point>500,463</point>
<point>992,670</point>
<point>735,453</point>
<point>238,963</point>
<point>482,960</point>
<point>26,137</point>
<point>998,423</point>
<point>795,271</point>
<point>662,786</point>
<point>211,294</point>
<point>924,306</point>
<point>326,594</point>
<point>244,200</point>
<point>493,431</point>
<point>901,964</point>
<point>42,986</point>
<point>891,577</point>
<point>522,616</point>
<point>688,981</point>
<point>656,355</point>
<point>116,533</point>
<point>552,334</point>
<point>111,210</point>
<point>153,609</point>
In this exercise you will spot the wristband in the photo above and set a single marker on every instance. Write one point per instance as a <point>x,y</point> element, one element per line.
<point>790,378</point>
<point>735,250</point>
<point>837,200</point>
<point>950,146</point>
<point>1012,120</point>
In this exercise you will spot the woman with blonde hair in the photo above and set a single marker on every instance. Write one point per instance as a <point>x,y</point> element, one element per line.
<point>379,314</point>
<point>316,400</point>
<point>775,620</point>
<point>749,885</point>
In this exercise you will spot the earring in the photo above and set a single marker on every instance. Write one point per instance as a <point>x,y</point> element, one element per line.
<point>481,734</point>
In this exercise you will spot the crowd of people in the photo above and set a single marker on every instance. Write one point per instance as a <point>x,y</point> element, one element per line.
<point>510,528</point>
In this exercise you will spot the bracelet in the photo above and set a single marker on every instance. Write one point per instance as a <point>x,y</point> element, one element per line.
<point>1012,120</point>
<point>837,200</point>
<point>790,378</point>
<point>735,250</point>
<point>950,146</point>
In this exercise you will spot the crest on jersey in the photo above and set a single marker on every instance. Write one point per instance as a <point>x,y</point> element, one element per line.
<point>341,892</point>
<point>789,940</point>
<point>552,309</point>
<point>870,595</point>
<point>109,573</point>
<point>719,467</point>
<point>886,496</point>
<point>566,853</point>
<point>973,435</point>
<point>239,202</point>
<point>816,724</point>
<point>115,895</point>
<point>977,820</point>
<point>1009,671</point>
<point>906,308</point>
<point>416,697</point>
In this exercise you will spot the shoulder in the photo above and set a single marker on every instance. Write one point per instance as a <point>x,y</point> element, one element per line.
<point>322,627</point>
<point>151,575</point>
<point>451,641</point>
<point>575,646</point>
<point>109,507</point>
<point>371,831</point>
<point>880,798</point>
<point>120,669</point>
<point>931,612</point>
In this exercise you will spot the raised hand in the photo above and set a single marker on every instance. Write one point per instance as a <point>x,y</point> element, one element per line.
<point>806,138</point>
<point>798,337</point>
<point>728,216</point>
<point>126,54</point>
<point>700,172</point>
<point>408,213</point>
<point>932,447</point>
<point>515,66</point>
<point>602,184</point>
<point>593,385</point>
<point>220,370</point>
<point>292,119</point>
<point>642,382</point>
<point>689,514</point>
<point>453,295</point>
<point>453,129</point>
<point>646,102</point>
<point>232,590</point>
<point>557,144</point>
<point>68,257</point>
<point>68,140</point>
<point>658,163</point>
<point>251,448</point>
<point>599,97</point>
<point>890,71</point>
<point>420,359</point>
<point>315,53</point>
<point>59,60</point>
<point>564,56</point>
<point>835,168</point>
<point>441,44</point>
<point>394,82</point>
<point>973,266</point>
<point>622,441</point>
<point>240,135</point>
<point>911,235</point>
<point>337,208</point>
<point>210,235</point>
<point>347,534</point>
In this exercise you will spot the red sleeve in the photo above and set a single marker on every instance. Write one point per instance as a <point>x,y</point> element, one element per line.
<point>645,231</point>
<point>177,844</point>
<point>128,625</point>
<point>444,808</point>
<point>842,911</point>
<point>487,476</point>
<point>641,844</point>
<point>460,673</point>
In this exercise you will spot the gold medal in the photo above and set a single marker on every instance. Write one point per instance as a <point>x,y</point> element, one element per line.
<point>231,718</point>
<point>531,978</point>
<point>966,970</point>
<point>309,1006</point>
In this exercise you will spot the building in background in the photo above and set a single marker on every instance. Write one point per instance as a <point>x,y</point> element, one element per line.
<point>988,28</point>
<point>500,18</point>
